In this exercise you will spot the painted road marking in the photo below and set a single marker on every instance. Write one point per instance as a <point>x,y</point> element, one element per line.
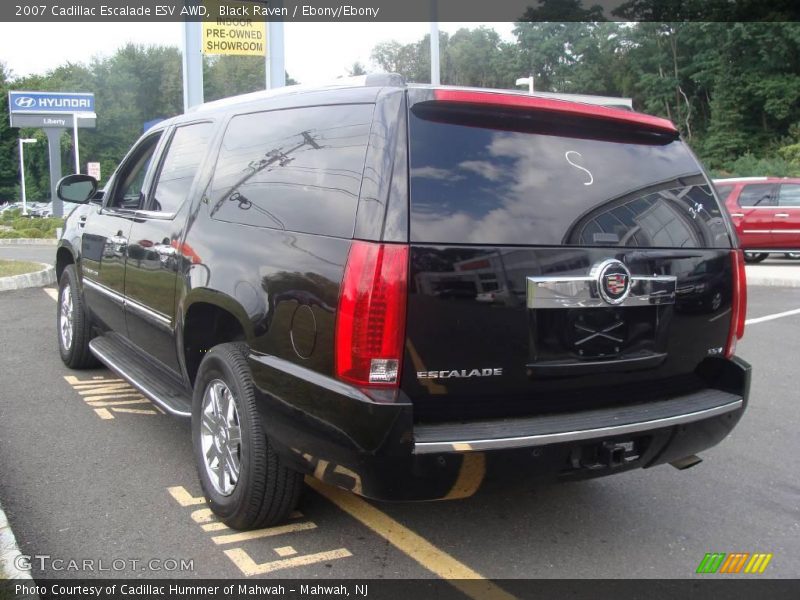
<point>52,292</point>
<point>250,567</point>
<point>239,556</point>
<point>262,533</point>
<point>109,395</point>
<point>780,315</point>
<point>412,544</point>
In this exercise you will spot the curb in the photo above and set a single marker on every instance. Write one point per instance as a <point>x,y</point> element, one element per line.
<point>772,282</point>
<point>9,551</point>
<point>46,276</point>
<point>28,242</point>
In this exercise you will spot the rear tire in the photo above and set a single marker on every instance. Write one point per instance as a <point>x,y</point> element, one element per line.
<point>245,481</point>
<point>73,324</point>
<point>755,257</point>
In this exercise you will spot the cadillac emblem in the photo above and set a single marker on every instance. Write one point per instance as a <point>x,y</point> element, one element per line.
<point>613,281</point>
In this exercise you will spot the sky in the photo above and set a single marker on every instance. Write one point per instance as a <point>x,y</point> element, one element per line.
<point>315,52</point>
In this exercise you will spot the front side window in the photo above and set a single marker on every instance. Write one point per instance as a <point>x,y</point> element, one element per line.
<point>723,191</point>
<point>129,193</point>
<point>758,194</point>
<point>186,150</point>
<point>297,170</point>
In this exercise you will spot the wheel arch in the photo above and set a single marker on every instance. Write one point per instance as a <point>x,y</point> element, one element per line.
<point>209,318</point>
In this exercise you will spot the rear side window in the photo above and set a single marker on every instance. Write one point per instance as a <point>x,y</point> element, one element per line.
<point>514,178</point>
<point>186,150</point>
<point>789,194</point>
<point>298,169</point>
<point>757,194</point>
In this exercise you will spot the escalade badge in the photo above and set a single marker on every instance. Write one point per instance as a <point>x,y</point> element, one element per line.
<point>613,280</point>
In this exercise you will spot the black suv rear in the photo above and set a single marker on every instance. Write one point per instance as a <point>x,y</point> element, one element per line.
<point>404,290</point>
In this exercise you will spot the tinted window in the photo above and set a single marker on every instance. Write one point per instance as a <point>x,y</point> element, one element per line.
<point>297,169</point>
<point>128,192</point>
<point>757,194</point>
<point>723,191</point>
<point>513,180</point>
<point>186,150</point>
<point>789,195</point>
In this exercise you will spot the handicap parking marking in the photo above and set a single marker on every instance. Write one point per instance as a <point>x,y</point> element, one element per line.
<point>288,556</point>
<point>108,396</point>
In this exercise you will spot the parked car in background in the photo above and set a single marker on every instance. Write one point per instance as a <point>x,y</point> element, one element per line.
<point>41,209</point>
<point>765,212</point>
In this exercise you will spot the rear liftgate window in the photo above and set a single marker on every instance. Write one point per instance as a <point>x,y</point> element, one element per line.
<point>298,169</point>
<point>483,175</point>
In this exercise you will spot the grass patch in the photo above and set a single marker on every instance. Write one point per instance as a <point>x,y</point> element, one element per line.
<point>18,267</point>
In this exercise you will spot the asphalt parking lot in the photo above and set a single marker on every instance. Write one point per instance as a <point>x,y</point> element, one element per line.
<point>89,470</point>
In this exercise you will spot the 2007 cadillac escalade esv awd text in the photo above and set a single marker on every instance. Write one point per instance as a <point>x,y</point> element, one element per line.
<point>404,290</point>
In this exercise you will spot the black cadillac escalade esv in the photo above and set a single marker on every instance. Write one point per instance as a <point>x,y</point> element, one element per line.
<point>404,290</point>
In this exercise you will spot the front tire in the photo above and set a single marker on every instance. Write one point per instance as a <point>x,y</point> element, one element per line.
<point>73,323</point>
<point>246,483</point>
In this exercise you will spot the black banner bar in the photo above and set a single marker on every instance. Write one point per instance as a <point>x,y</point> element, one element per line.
<point>477,11</point>
<point>707,587</point>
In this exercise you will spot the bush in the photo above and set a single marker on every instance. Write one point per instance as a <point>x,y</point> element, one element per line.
<point>9,235</point>
<point>21,223</point>
<point>31,233</point>
<point>12,214</point>
<point>749,165</point>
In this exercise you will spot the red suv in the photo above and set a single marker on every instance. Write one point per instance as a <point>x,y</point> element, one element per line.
<point>765,212</point>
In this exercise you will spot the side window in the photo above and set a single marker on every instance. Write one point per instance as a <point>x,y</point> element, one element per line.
<point>723,191</point>
<point>789,195</point>
<point>298,169</point>
<point>128,192</point>
<point>179,168</point>
<point>757,194</point>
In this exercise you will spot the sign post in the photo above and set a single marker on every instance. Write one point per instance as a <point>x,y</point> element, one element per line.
<point>22,142</point>
<point>54,112</point>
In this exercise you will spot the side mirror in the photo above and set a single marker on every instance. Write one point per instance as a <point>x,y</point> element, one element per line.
<point>78,188</point>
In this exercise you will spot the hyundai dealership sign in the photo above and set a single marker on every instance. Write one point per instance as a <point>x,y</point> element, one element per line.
<point>50,102</point>
<point>51,109</point>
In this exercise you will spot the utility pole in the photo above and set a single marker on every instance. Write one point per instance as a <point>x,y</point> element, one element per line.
<point>435,43</point>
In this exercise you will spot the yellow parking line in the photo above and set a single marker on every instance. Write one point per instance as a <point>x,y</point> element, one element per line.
<point>249,567</point>
<point>214,527</point>
<point>415,546</point>
<point>52,293</point>
<point>262,533</point>
<point>470,476</point>
<point>99,403</point>
<point>103,413</point>
<point>134,411</point>
<point>183,497</point>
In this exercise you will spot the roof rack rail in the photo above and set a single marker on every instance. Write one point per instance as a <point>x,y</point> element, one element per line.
<point>371,80</point>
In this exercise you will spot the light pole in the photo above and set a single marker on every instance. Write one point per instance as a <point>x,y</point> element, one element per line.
<point>526,81</point>
<point>22,142</point>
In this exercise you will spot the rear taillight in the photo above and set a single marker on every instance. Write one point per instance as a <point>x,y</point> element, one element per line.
<point>739,303</point>
<point>370,324</point>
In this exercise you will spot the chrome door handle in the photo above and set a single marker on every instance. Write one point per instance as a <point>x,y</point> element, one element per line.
<point>737,214</point>
<point>782,215</point>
